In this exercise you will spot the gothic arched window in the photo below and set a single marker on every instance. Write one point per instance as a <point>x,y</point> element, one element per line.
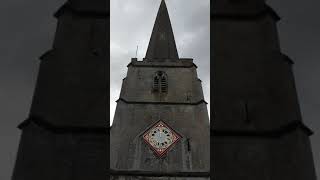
<point>160,82</point>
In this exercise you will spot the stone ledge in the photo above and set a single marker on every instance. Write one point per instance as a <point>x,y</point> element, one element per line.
<point>287,59</point>
<point>62,129</point>
<point>165,63</point>
<point>162,103</point>
<point>157,174</point>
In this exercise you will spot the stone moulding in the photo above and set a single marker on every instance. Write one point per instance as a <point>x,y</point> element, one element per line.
<point>162,103</point>
<point>160,66</point>
<point>65,129</point>
<point>157,174</point>
<point>179,63</point>
<point>287,59</point>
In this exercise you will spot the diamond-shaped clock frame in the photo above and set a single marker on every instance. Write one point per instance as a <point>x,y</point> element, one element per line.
<point>160,152</point>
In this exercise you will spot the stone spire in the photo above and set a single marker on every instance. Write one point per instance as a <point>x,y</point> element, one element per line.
<point>162,44</point>
<point>161,91</point>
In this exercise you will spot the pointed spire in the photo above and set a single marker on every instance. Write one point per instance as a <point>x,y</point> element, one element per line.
<point>162,44</point>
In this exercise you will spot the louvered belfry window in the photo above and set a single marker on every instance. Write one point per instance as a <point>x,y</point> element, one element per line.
<point>156,84</point>
<point>160,82</point>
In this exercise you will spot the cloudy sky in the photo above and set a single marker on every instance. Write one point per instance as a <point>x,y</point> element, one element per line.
<point>131,26</point>
<point>27,30</point>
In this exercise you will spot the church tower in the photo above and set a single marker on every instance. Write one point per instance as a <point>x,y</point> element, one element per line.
<point>65,136</point>
<point>161,124</point>
<point>258,132</point>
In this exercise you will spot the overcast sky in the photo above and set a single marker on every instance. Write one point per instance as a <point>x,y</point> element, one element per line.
<point>27,30</point>
<point>132,23</point>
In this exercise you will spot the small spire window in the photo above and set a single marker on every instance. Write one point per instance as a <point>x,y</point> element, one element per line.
<point>160,82</point>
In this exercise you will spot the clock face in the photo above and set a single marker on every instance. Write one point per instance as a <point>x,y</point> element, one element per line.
<point>160,138</point>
